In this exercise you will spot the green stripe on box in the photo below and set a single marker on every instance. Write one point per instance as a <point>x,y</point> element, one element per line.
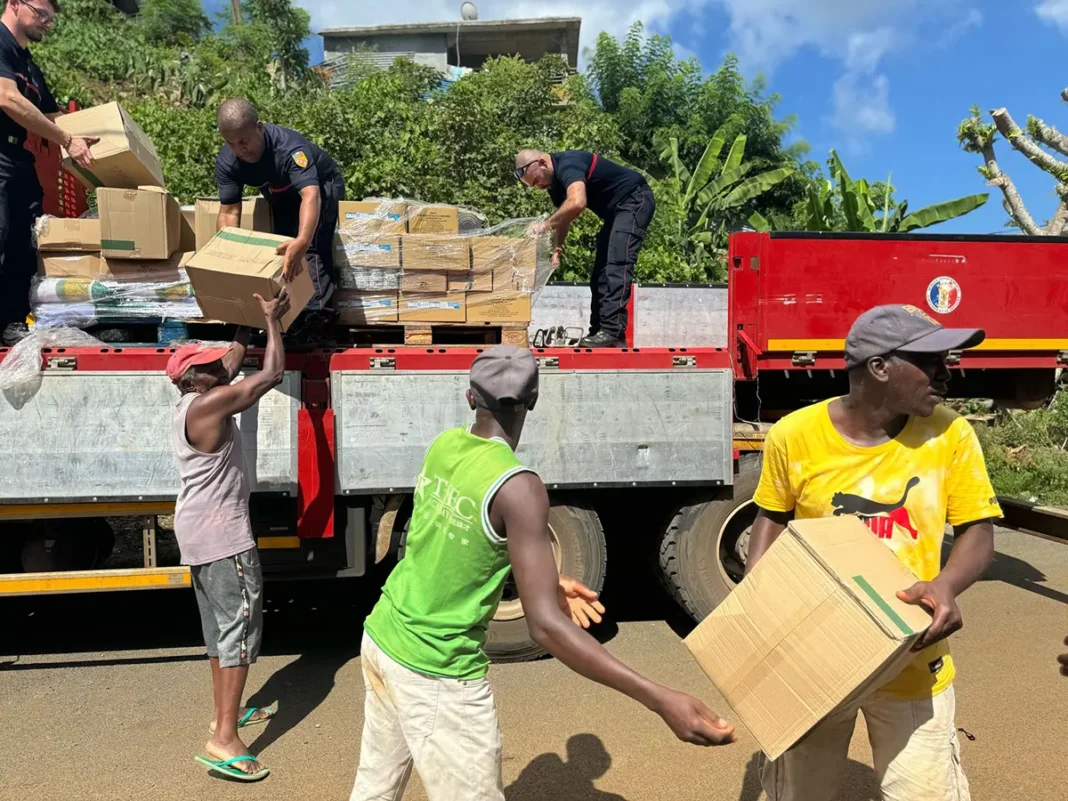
<point>248,240</point>
<point>96,182</point>
<point>882,604</point>
<point>117,244</point>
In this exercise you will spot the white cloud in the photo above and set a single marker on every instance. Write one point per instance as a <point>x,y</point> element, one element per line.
<point>973,19</point>
<point>1054,12</point>
<point>861,107</point>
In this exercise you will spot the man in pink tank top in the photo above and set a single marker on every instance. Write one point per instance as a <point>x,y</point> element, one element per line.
<point>211,523</point>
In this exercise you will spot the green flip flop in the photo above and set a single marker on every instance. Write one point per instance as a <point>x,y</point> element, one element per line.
<point>226,767</point>
<point>247,720</point>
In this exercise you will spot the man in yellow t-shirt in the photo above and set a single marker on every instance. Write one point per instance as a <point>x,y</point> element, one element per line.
<point>891,455</point>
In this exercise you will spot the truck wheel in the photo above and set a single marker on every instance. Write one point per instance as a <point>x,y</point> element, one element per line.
<point>702,555</point>
<point>67,544</point>
<point>579,547</point>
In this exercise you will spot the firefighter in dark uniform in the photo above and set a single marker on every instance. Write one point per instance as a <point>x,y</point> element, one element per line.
<point>303,186</point>
<point>25,105</point>
<point>621,197</point>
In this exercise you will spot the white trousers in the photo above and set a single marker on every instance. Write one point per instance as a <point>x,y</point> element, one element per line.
<point>914,747</point>
<point>447,728</point>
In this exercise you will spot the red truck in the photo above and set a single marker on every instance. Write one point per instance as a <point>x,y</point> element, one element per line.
<point>674,429</point>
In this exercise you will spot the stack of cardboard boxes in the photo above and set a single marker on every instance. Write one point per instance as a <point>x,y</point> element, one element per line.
<point>403,262</point>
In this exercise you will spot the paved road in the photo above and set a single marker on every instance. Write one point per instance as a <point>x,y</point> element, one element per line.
<point>108,698</point>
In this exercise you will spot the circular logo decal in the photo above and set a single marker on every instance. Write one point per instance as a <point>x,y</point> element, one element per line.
<point>943,294</point>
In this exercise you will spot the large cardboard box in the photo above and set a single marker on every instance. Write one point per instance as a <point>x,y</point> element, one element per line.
<point>816,625</point>
<point>368,279</point>
<point>424,281</point>
<point>143,223</point>
<point>91,265</point>
<point>80,234</point>
<point>188,239</point>
<point>437,219</point>
<point>255,216</point>
<point>498,307</point>
<point>432,308</point>
<point>124,157</point>
<point>148,269</point>
<point>436,252</point>
<point>357,250</point>
<point>470,282</point>
<point>513,261</point>
<point>235,265</point>
<point>366,308</point>
<point>364,217</point>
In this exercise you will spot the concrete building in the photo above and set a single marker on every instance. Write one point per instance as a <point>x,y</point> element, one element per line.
<point>462,44</point>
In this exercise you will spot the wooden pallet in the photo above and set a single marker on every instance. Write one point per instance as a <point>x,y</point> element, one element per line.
<point>419,335</point>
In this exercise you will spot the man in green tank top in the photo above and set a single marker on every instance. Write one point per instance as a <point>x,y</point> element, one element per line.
<point>478,513</point>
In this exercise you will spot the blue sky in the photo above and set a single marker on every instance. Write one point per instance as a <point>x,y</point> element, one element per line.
<point>885,82</point>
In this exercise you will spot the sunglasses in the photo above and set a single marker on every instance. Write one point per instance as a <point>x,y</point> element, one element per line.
<point>520,171</point>
<point>42,15</point>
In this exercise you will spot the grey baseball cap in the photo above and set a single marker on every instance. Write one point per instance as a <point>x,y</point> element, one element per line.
<point>505,376</point>
<point>885,329</point>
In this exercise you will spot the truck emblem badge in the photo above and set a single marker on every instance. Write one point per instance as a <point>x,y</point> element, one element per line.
<point>943,294</point>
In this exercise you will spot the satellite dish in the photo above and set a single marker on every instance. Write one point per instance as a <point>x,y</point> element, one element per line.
<point>469,11</point>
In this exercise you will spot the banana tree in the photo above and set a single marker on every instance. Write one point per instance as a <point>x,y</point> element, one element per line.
<point>858,203</point>
<point>716,199</point>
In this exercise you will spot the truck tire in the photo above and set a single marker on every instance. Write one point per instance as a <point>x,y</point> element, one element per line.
<point>67,544</point>
<point>579,546</point>
<point>702,555</point>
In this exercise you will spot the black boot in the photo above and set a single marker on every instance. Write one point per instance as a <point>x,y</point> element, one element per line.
<point>602,339</point>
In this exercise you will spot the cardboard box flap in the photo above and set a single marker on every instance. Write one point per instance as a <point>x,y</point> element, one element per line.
<point>230,246</point>
<point>152,188</point>
<point>872,577</point>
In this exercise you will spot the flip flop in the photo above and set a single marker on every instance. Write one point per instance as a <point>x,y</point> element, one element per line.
<point>248,720</point>
<point>225,767</point>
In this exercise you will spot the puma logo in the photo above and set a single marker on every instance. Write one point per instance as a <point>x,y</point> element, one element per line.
<point>879,517</point>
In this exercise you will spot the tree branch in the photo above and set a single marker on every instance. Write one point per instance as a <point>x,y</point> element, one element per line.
<point>1013,202</point>
<point>1048,135</point>
<point>1057,224</point>
<point>1026,145</point>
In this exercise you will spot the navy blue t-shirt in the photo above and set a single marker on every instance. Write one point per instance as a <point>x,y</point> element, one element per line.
<point>607,184</point>
<point>17,65</point>
<point>289,163</point>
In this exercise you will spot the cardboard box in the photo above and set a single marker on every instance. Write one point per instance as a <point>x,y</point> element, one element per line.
<point>498,307</point>
<point>513,261</point>
<point>363,308</point>
<point>188,239</point>
<point>816,625</point>
<point>236,264</point>
<point>80,234</point>
<point>470,282</point>
<point>141,223</point>
<point>424,281</point>
<point>363,217</point>
<point>91,265</point>
<point>436,252</point>
<point>148,269</point>
<point>124,157</point>
<point>438,307</point>
<point>437,219</point>
<point>353,250</point>
<point>255,216</point>
<point>368,279</point>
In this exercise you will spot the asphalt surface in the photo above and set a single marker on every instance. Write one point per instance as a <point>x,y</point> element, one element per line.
<point>108,697</point>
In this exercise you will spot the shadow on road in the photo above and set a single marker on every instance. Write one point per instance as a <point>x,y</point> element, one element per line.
<point>859,782</point>
<point>549,778</point>
<point>1024,575</point>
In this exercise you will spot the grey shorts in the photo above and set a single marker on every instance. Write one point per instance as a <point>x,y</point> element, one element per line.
<point>230,596</point>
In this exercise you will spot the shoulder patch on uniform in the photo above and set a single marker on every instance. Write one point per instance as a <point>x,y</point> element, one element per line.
<point>300,159</point>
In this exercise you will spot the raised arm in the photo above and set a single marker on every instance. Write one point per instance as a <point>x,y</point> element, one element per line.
<point>521,509</point>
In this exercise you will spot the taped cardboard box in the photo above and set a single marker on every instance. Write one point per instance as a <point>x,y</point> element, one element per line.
<point>436,252</point>
<point>235,265</point>
<point>358,250</point>
<point>513,261</point>
<point>436,219</point>
<point>124,157</point>
<point>816,626</point>
<point>255,216</point>
<point>470,282</point>
<point>432,308</point>
<point>144,223</point>
<point>81,234</point>
<point>366,308</point>
<point>424,281</point>
<point>498,307</point>
<point>368,279</point>
<point>373,216</point>
<point>149,269</point>
<point>71,265</point>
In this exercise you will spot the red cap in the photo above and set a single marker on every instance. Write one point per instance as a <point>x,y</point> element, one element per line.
<point>191,356</point>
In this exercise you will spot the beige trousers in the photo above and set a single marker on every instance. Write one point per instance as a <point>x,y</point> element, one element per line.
<point>914,747</point>
<point>447,728</point>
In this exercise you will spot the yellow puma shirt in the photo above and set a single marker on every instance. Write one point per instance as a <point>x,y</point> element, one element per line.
<point>904,490</point>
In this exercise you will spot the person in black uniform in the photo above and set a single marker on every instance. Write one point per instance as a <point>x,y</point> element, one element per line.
<point>302,184</point>
<point>25,105</point>
<point>621,197</point>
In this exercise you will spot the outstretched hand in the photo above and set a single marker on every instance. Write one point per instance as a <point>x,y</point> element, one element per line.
<point>579,602</point>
